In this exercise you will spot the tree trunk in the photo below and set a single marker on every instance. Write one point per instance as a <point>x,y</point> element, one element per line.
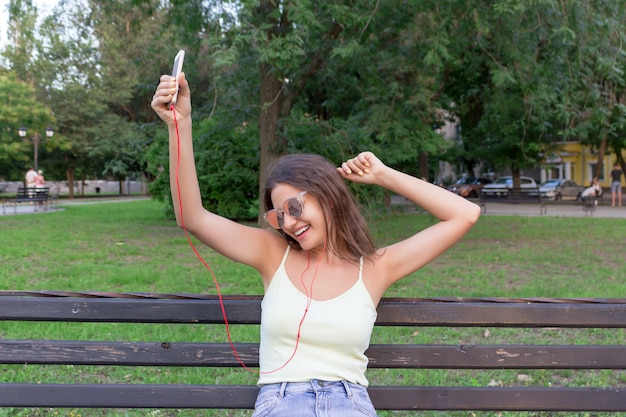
<point>610,90</point>
<point>276,101</point>
<point>423,166</point>
<point>82,185</point>
<point>620,159</point>
<point>516,174</point>
<point>271,145</point>
<point>598,172</point>
<point>69,172</point>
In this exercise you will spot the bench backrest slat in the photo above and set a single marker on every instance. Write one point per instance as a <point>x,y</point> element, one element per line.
<point>390,313</point>
<point>127,396</point>
<point>498,399</point>
<point>32,191</point>
<point>384,398</point>
<point>380,355</point>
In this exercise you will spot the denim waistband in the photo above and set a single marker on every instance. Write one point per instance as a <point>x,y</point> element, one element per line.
<point>314,385</point>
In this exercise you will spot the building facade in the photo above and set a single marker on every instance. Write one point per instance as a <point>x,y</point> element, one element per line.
<point>574,161</point>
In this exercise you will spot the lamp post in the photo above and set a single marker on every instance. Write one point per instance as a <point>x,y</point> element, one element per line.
<point>36,138</point>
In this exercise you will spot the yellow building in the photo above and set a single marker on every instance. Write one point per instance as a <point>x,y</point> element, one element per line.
<point>574,161</point>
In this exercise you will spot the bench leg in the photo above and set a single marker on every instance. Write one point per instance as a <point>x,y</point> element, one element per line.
<point>589,206</point>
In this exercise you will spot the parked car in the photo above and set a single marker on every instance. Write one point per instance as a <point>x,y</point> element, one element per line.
<point>501,186</point>
<point>558,189</point>
<point>469,187</point>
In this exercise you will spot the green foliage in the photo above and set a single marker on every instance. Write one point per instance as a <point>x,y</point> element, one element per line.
<point>20,109</point>
<point>227,163</point>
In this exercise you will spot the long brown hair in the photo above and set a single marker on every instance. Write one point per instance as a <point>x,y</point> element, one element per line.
<point>349,236</point>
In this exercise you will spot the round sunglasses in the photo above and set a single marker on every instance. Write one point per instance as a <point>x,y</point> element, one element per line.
<point>293,206</point>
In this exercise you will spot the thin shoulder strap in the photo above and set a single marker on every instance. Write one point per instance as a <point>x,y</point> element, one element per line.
<point>360,268</point>
<point>282,263</point>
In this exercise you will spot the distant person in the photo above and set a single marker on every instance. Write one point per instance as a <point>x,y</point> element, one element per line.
<point>30,177</point>
<point>40,180</point>
<point>591,192</point>
<point>616,185</point>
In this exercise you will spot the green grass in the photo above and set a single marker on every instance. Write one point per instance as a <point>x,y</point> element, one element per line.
<point>132,247</point>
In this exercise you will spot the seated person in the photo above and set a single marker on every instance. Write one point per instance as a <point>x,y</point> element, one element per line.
<point>591,192</point>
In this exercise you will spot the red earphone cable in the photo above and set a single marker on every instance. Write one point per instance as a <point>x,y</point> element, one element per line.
<point>309,293</point>
<point>206,265</point>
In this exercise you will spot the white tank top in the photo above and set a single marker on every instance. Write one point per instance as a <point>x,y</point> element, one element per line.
<point>333,337</point>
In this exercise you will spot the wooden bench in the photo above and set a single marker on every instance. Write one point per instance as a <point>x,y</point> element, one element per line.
<point>416,315</point>
<point>38,197</point>
<point>516,196</point>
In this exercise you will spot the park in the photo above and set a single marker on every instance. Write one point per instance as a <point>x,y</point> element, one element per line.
<point>105,309</point>
<point>130,247</point>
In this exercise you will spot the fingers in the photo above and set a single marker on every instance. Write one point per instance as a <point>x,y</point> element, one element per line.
<point>164,92</point>
<point>359,165</point>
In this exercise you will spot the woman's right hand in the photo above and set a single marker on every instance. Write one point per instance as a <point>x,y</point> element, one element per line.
<point>163,96</point>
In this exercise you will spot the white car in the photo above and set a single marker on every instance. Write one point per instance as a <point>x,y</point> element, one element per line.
<point>501,186</point>
<point>558,189</point>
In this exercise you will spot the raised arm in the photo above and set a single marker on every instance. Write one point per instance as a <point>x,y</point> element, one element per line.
<point>456,214</point>
<point>249,245</point>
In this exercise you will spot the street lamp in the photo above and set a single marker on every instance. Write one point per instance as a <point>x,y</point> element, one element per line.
<point>49,133</point>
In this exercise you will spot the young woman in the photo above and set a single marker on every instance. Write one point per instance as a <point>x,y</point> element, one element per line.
<point>40,180</point>
<point>323,276</point>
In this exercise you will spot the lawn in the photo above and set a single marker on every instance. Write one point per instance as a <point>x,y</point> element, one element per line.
<point>132,247</point>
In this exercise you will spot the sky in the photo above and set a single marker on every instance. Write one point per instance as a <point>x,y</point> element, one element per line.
<point>44,6</point>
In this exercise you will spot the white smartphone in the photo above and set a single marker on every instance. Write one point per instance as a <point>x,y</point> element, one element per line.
<point>178,68</point>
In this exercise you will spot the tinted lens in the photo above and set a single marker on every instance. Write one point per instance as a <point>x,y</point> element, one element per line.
<point>271,217</point>
<point>294,207</point>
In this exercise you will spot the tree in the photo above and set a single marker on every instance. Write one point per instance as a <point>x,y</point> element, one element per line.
<point>20,109</point>
<point>91,61</point>
<point>289,43</point>
<point>597,81</point>
<point>517,102</point>
<point>21,36</point>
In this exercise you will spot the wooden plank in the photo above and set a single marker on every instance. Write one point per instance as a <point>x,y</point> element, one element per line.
<point>248,311</point>
<point>498,356</point>
<point>128,396</point>
<point>128,310</point>
<point>498,398</point>
<point>127,353</point>
<point>243,397</point>
<point>502,314</point>
<point>380,356</point>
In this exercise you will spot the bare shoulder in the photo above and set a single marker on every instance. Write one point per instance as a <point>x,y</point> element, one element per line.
<point>375,274</point>
<point>271,254</point>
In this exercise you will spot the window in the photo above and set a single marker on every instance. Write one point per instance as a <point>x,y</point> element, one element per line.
<point>592,172</point>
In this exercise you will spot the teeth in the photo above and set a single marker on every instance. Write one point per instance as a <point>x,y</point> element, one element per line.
<point>300,231</point>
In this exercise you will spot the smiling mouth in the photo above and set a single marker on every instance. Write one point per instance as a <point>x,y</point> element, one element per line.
<point>301,230</point>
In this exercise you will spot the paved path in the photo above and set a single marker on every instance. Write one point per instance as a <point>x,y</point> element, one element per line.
<point>555,209</point>
<point>567,209</point>
<point>61,204</point>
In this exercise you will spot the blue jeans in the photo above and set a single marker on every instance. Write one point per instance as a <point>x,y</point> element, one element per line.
<point>313,399</point>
